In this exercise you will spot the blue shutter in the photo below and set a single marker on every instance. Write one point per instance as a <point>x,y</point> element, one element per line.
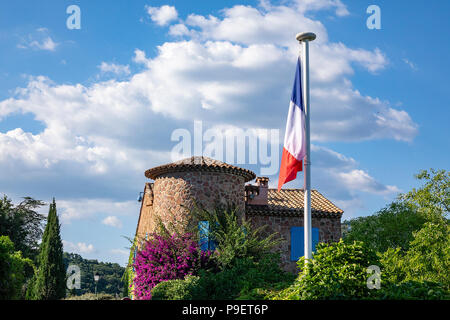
<point>203,229</point>
<point>206,242</point>
<point>315,238</point>
<point>298,242</point>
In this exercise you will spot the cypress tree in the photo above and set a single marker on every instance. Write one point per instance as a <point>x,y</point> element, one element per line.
<point>50,281</point>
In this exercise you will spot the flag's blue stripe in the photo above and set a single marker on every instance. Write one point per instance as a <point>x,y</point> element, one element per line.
<point>297,90</point>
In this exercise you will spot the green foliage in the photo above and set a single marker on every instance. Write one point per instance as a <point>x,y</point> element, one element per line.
<point>433,198</point>
<point>14,270</point>
<point>50,281</point>
<point>413,290</point>
<point>391,227</point>
<point>337,271</point>
<point>234,236</point>
<point>22,224</point>
<point>247,267</point>
<point>424,266</point>
<point>92,296</point>
<point>176,289</point>
<point>110,275</point>
<point>412,237</point>
<point>125,281</point>
<point>128,274</point>
<point>427,260</point>
<point>247,280</point>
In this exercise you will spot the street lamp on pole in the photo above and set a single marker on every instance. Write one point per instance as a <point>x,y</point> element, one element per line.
<point>96,278</point>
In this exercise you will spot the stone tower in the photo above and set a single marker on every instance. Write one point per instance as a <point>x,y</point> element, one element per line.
<point>181,185</point>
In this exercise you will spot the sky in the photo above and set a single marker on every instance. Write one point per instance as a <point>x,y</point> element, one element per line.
<point>85,111</point>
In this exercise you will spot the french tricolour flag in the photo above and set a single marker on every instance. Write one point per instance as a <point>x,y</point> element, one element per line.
<point>294,149</point>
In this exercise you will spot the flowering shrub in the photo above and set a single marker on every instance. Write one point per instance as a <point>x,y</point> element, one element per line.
<point>167,258</point>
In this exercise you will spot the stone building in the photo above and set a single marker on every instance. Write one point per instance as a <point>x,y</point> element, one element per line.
<point>181,185</point>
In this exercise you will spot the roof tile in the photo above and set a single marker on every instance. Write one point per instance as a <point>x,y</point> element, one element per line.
<point>290,202</point>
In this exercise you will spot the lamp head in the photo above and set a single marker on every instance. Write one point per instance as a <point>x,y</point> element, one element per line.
<point>305,36</point>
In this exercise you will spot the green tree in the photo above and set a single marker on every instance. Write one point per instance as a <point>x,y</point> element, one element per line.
<point>427,260</point>
<point>14,270</point>
<point>110,275</point>
<point>433,198</point>
<point>50,281</point>
<point>391,227</point>
<point>22,224</point>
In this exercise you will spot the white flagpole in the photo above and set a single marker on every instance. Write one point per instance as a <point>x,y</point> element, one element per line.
<point>304,39</point>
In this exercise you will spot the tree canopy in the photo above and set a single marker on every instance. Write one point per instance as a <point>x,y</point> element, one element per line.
<point>50,281</point>
<point>110,275</point>
<point>391,227</point>
<point>22,224</point>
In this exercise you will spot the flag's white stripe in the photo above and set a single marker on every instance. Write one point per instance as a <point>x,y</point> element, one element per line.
<point>294,138</point>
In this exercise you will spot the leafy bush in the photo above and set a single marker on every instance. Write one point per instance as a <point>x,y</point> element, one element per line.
<point>14,269</point>
<point>234,236</point>
<point>247,280</point>
<point>427,260</point>
<point>413,290</point>
<point>92,296</point>
<point>167,258</point>
<point>337,271</point>
<point>175,289</point>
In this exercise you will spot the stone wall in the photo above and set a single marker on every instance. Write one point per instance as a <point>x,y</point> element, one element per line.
<point>174,194</point>
<point>329,231</point>
<point>146,223</point>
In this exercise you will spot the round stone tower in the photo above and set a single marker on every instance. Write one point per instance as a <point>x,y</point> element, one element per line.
<point>179,186</point>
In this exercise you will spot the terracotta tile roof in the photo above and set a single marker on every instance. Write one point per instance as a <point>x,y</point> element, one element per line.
<point>289,202</point>
<point>199,164</point>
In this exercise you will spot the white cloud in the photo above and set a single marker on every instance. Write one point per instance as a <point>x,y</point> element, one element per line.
<point>236,69</point>
<point>411,64</point>
<point>112,221</point>
<point>314,5</point>
<point>178,30</point>
<point>162,15</point>
<point>120,252</point>
<point>39,40</point>
<point>71,210</point>
<point>80,247</point>
<point>114,68</point>
<point>360,180</point>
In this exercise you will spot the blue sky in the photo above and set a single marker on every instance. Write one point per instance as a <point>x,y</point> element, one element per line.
<point>83,113</point>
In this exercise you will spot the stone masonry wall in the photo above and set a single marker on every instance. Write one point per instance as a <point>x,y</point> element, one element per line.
<point>174,194</point>
<point>329,231</point>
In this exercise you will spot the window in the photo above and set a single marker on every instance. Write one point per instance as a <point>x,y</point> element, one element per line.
<point>298,242</point>
<point>205,241</point>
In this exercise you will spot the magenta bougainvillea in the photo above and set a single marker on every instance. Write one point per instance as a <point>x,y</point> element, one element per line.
<point>167,258</point>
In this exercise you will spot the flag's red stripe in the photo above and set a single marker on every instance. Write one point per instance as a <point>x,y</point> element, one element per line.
<point>288,169</point>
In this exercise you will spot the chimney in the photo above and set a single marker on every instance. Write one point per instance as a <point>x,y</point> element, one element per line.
<point>257,194</point>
